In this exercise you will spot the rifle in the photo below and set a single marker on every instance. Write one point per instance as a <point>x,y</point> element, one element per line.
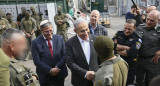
<point>134,4</point>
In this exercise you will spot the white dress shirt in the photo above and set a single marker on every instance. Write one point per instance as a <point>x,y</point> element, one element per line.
<point>86,48</point>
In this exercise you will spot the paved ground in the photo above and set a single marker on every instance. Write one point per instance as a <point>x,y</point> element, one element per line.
<point>117,23</point>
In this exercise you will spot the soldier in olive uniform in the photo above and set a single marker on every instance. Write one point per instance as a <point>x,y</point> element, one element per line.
<point>4,68</point>
<point>61,20</point>
<point>41,18</point>
<point>113,70</point>
<point>35,15</point>
<point>19,74</point>
<point>4,24</point>
<point>28,26</point>
<point>148,64</point>
<point>11,22</point>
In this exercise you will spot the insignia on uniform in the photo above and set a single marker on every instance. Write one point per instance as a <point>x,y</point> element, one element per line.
<point>131,39</point>
<point>154,34</point>
<point>140,40</point>
<point>120,37</point>
<point>138,45</point>
<point>19,70</point>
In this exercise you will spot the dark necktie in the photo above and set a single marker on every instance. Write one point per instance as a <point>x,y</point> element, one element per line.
<point>50,47</point>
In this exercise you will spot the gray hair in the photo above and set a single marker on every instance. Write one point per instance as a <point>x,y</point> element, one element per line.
<point>96,12</point>
<point>131,21</point>
<point>10,34</point>
<point>45,25</point>
<point>156,12</point>
<point>78,21</point>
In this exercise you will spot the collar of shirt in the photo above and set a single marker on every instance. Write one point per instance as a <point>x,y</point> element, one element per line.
<point>46,38</point>
<point>92,27</point>
<point>81,40</point>
<point>156,26</point>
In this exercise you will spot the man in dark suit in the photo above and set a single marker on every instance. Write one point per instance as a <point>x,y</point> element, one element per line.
<point>81,55</point>
<point>48,53</point>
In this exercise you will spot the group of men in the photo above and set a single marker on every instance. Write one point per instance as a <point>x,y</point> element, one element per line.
<point>93,58</point>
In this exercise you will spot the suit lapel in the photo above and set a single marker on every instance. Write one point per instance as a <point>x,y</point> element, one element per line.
<point>45,45</point>
<point>79,47</point>
<point>54,42</point>
<point>91,49</point>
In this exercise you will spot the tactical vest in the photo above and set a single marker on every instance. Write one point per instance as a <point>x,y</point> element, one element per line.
<point>27,25</point>
<point>24,78</point>
<point>13,25</point>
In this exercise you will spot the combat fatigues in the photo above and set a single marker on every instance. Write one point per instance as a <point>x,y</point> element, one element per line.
<point>4,69</point>
<point>20,75</point>
<point>112,73</point>
<point>3,21</point>
<point>13,25</point>
<point>36,17</point>
<point>61,29</point>
<point>150,45</point>
<point>134,42</point>
<point>28,25</point>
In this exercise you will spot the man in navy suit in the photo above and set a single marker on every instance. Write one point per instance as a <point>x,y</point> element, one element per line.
<point>48,53</point>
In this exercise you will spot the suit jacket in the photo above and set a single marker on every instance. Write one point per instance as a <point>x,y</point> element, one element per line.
<point>43,59</point>
<point>77,62</point>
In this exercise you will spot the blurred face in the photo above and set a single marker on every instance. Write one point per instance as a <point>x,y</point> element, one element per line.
<point>47,32</point>
<point>9,17</point>
<point>151,21</point>
<point>19,46</point>
<point>28,14</point>
<point>129,29</point>
<point>82,31</point>
<point>94,17</point>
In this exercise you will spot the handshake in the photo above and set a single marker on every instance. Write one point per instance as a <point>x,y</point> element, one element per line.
<point>90,75</point>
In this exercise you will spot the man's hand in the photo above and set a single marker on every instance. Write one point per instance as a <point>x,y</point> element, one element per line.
<point>138,11</point>
<point>55,71</point>
<point>90,75</point>
<point>28,35</point>
<point>121,47</point>
<point>123,53</point>
<point>156,57</point>
<point>60,21</point>
<point>34,77</point>
<point>4,27</point>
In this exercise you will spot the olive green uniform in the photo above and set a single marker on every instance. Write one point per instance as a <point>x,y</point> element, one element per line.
<point>112,73</point>
<point>61,28</point>
<point>150,45</point>
<point>20,75</point>
<point>3,21</point>
<point>13,25</point>
<point>4,69</point>
<point>28,25</point>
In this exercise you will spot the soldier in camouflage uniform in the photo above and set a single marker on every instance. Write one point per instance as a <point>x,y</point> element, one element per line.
<point>19,74</point>
<point>4,24</point>
<point>11,22</point>
<point>113,70</point>
<point>28,26</point>
<point>35,15</point>
<point>61,20</point>
<point>148,64</point>
<point>41,18</point>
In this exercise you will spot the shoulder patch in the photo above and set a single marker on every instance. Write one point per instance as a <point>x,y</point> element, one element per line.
<point>138,45</point>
